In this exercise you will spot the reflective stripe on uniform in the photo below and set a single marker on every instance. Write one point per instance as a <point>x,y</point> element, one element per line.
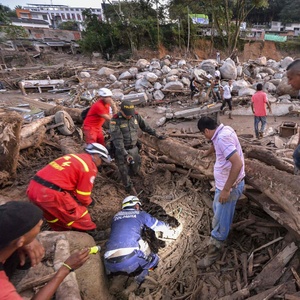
<point>70,223</point>
<point>86,168</point>
<point>83,193</point>
<point>52,221</point>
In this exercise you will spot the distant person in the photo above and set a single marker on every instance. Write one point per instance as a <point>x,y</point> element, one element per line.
<point>216,89</point>
<point>20,222</point>
<point>98,113</point>
<point>217,73</point>
<point>229,176</point>
<point>63,189</point>
<point>193,87</point>
<point>293,75</point>
<point>227,98</point>
<point>234,56</point>
<point>218,57</point>
<point>259,101</point>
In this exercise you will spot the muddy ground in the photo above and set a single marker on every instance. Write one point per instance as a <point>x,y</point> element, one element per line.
<point>166,195</point>
<point>169,195</point>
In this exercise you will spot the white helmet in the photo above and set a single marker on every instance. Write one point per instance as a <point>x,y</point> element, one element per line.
<point>96,148</point>
<point>131,201</point>
<point>104,92</point>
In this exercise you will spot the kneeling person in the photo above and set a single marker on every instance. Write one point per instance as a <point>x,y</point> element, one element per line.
<point>126,251</point>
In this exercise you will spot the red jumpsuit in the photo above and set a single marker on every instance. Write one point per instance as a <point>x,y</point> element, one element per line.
<point>75,173</point>
<point>92,124</point>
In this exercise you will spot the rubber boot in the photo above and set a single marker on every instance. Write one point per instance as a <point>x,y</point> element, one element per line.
<point>229,116</point>
<point>214,253</point>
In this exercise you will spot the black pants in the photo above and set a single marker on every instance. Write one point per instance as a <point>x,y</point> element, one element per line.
<point>229,101</point>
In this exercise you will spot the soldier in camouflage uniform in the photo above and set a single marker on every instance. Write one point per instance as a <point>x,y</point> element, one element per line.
<point>124,128</point>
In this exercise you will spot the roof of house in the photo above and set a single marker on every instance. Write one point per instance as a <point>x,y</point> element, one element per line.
<point>28,21</point>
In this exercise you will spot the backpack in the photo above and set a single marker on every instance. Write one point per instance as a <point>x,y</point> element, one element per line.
<point>84,113</point>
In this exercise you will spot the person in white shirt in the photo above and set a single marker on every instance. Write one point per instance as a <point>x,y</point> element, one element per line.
<point>217,73</point>
<point>227,98</point>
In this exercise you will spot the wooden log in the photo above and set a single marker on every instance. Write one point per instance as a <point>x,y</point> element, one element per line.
<point>267,157</point>
<point>273,270</point>
<point>31,128</point>
<point>34,140</point>
<point>281,187</point>
<point>173,168</point>
<point>33,282</point>
<point>68,289</point>
<point>10,129</point>
<point>75,113</point>
<point>184,155</point>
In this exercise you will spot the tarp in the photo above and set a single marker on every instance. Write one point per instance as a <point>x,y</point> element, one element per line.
<point>199,18</point>
<point>275,38</point>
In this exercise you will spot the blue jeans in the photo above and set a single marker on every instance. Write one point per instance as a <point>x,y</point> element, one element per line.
<point>223,213</point>
<point>263,121</point>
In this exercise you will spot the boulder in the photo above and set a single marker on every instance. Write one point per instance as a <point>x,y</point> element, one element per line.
<point>174,85</point>
<point>142,63</point>
<point>286,61</point>
<point>228,69</point>
<point>104,71</point>
<point>284,88</point>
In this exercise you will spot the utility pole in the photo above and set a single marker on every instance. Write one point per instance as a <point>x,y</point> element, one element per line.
<point>189,31</point>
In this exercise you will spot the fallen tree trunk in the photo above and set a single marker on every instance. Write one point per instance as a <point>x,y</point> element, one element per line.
<point>33,140</point>
<point>267,157</point>
<point>184,155</point>
<point>31,128</point>
<point>75,113</point>
<point>281,187</point>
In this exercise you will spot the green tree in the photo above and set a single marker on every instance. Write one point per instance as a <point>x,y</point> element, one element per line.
<point>4,14</point>
<point>227,17</point>
<point>290,12</point>
<point>69,25</point>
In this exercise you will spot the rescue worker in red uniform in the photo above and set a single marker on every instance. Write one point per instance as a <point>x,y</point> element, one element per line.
<point>96,116</point>
<point>63,189</point>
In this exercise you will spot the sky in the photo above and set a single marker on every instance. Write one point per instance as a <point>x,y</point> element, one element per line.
<point>73,3</point>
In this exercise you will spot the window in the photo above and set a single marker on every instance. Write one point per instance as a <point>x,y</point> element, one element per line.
<point>79,17</point>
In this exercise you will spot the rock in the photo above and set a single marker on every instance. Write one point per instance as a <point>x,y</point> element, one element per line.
<point>112,77</point>
<point>157,86</point>
<point>181,63</point>
<point>161,121</point>
<point>284,88</point>
<point>174,85</point>
<point>286,61</point>
<point>104,71</point>
<point>246,91</point>
<point>158,95</point>
<point>261,61</point>
<point>155,64</point>
<point>85,75</point>
<point>151,77</point>
<point>142,64</point>
<point>165,69</point>
<point>125,75</point>
<point>134,71</point>
<point>228,69</point>
<point>271,98</point>
<point>172,78</point>
<point>270,87</point>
